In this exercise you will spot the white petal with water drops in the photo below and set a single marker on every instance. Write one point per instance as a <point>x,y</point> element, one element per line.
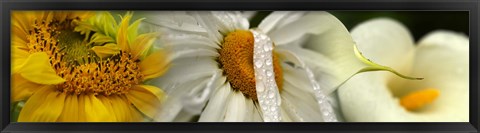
<point>266,87</point>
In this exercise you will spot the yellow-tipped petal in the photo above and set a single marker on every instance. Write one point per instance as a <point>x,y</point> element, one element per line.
<point>18,58</point>
<point>101,39</point>
<point>61,15</point>
<point>45,105</point>
<point>147,99</point>
<point>111,107</point>
<point>130,113</point>
<point>142,44</point>
<point>122,38</point>
<point>22,21</point>
<point>49,16</point>
<point>71,109</point>
<point>117,107</point>
<point>135,115</point>
<point>154,65</point>
<point>80,14</point>
<point>133,30</point>
<point>37,68</point>
<point>19,38</point>
<point>124,110</point>
<point>81,109</point>
<point>418,99</point>
<point>95,111</point>
<point>106,50</point>
<point>22,88</point>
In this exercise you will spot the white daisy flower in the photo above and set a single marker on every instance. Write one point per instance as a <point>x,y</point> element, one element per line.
<point>225,71</point>
<point>440,57</point>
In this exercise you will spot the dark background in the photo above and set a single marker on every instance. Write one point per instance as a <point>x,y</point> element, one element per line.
<point>419,23</point>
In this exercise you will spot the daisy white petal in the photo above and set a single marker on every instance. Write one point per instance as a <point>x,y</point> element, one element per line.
<point>271,20</point>
<point>216,108</point>
<point>179,21</point>
<point>236,109</point>
<point>212,29</point>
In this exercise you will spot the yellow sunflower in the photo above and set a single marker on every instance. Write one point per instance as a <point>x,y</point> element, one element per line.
<point>82,67</point>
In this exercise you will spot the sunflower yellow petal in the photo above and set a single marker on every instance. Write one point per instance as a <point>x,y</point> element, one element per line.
<point>81,109</point>
<point>19,38</point>
<point>48,16</point>
<point>121,108</point>
<point>22,88</point>
<point>18,58</point>
<point>126,111</point>
<point>84,28</point>
<point>106,50</point>
<point>45,105</point>
<point>147,99</point>
<point>133,30</point>
<point>109,106</point>
<point>79,14</point>
<point>71,110</point>
<point>135,115</point>
<point>142,44</point>
<point>22,21</point>
<point>154,65</point>
<point>95,111</point>
<point>37,68</point>
<point>61,15</point>
<point>108,23</point>
<point>101,39</point>
<point>122,38</point>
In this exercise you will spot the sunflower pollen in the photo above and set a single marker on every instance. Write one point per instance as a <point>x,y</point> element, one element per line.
<point>72,59</point>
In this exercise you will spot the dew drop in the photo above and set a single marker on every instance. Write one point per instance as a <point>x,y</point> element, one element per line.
<point>268,61</point>
<point>258,63</point>
<point>269,73</point>
<point>271,95</point>
<point>267,47</point>
<point>263,37</point>
<point>273,110</point>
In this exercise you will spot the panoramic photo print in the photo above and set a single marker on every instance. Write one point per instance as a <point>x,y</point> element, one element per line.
<point>239,66</point>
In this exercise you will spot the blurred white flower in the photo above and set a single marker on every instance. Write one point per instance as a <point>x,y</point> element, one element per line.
<point>441,58</point>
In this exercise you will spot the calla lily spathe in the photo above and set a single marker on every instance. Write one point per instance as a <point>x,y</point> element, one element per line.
<point>440,57</point>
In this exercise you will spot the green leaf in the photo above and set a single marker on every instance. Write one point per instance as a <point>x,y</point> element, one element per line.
<point>15,109</point>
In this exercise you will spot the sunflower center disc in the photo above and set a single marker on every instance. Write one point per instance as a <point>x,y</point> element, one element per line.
<point>236,59</point>
<point>74,61</point>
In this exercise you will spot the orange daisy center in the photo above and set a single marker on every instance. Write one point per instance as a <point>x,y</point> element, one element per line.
<point>236,59</point>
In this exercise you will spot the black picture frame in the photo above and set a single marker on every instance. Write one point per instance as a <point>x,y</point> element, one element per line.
<point>472,6</point>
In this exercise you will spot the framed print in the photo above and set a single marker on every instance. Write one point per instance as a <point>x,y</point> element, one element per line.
<point>211,66</point>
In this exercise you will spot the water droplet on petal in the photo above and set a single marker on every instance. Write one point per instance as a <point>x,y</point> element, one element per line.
<point>258,63</point>
<point>267,47</point>
<point>260,87</point>
<point>269,73</point>
<point>268,61</point>
<point>271,95</point>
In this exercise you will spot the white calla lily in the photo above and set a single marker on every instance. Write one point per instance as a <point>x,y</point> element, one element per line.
<point>441,58</point>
